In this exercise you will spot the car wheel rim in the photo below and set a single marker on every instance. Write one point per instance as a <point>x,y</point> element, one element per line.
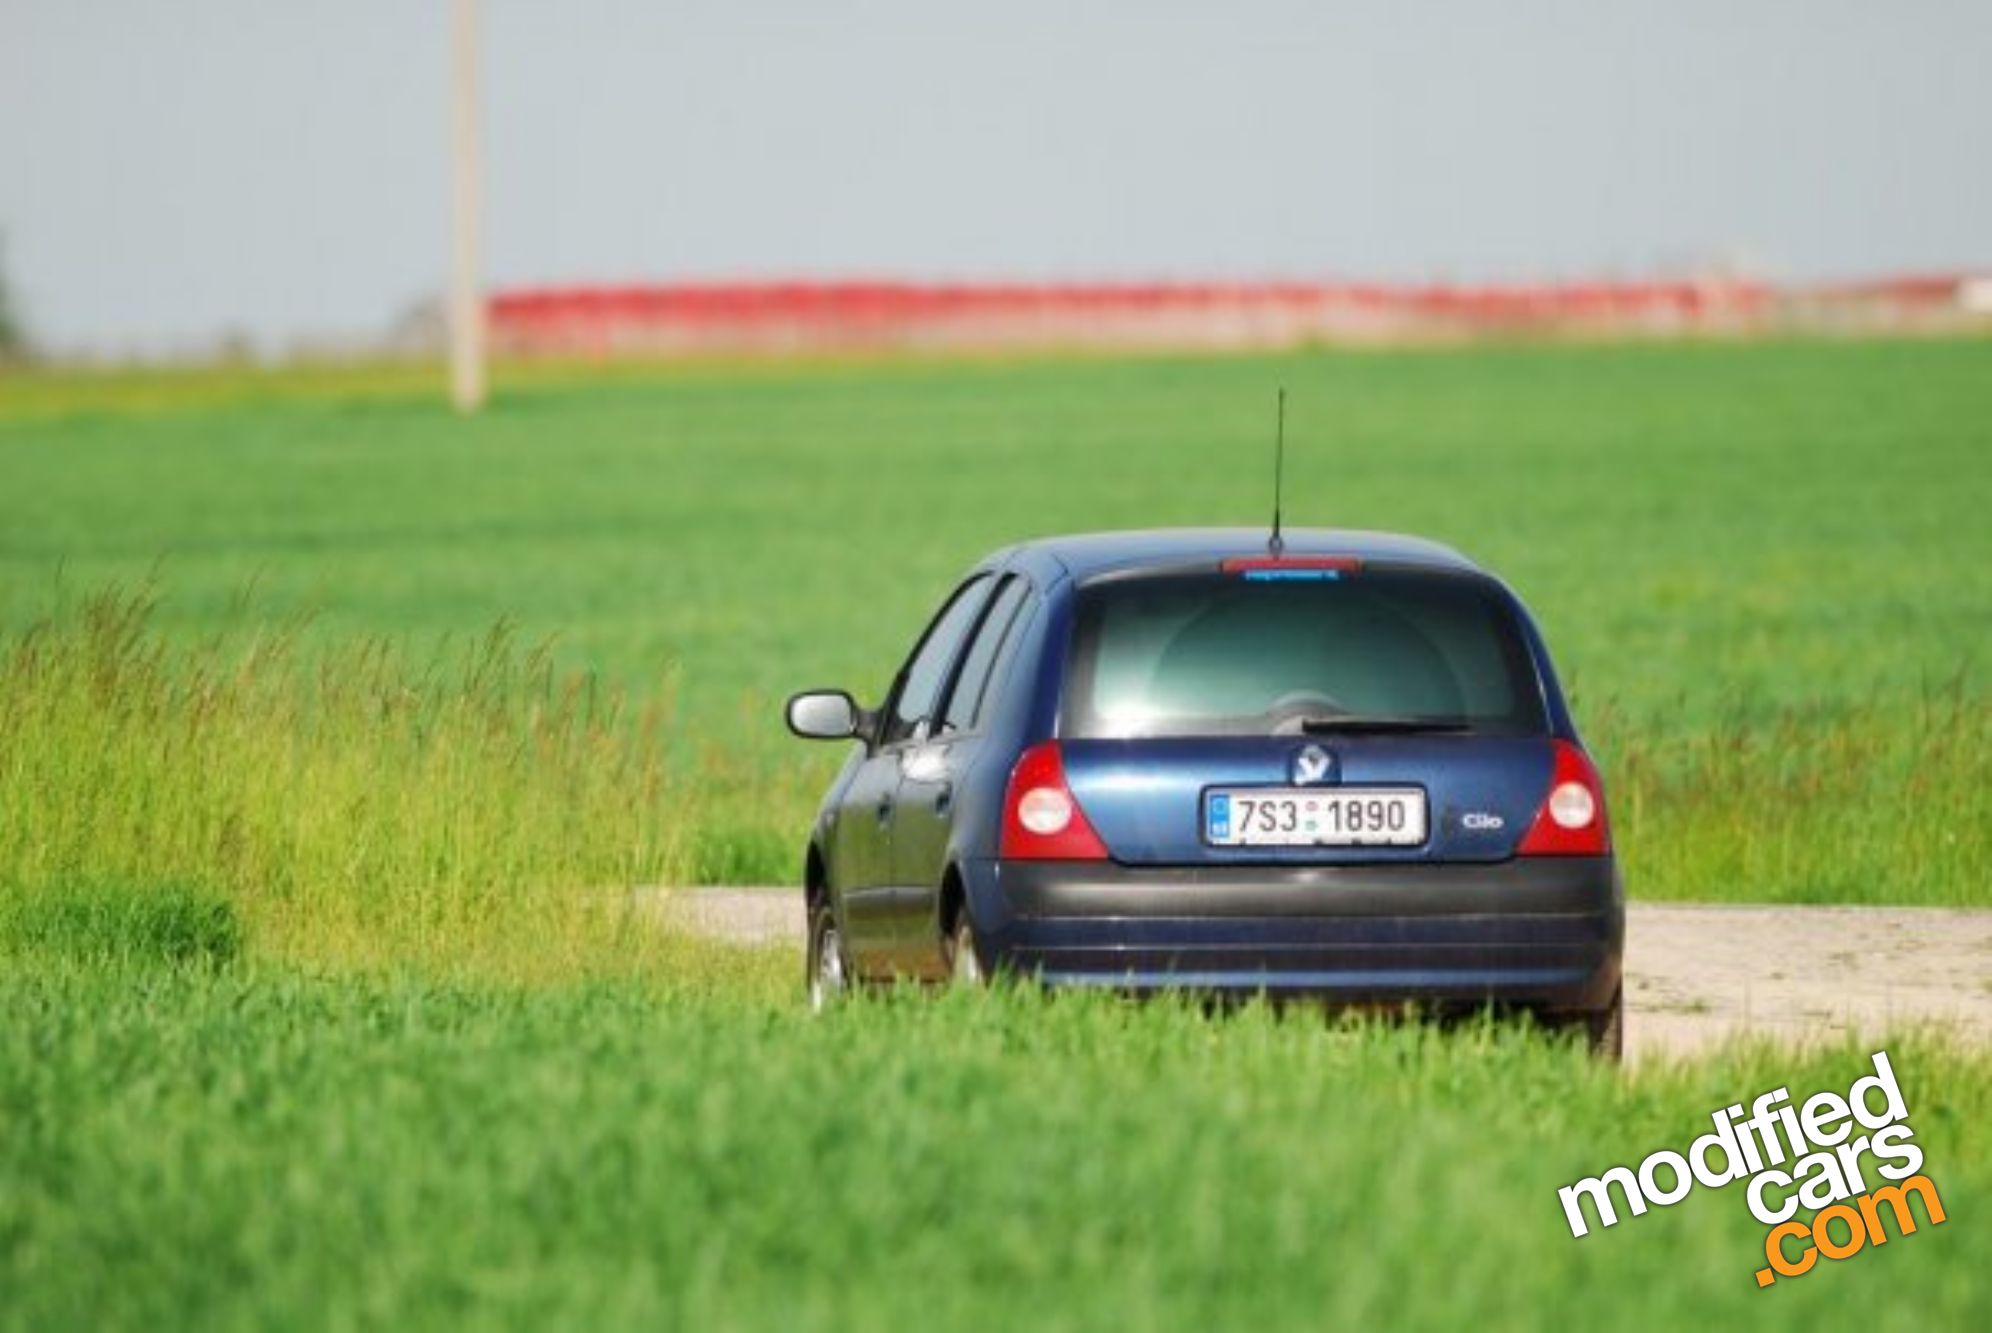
<point>826,983</point>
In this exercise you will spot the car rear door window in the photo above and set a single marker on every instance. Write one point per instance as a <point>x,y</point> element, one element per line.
<point>1223,654</point>
<point>927,670</point>
<point>964,706</point>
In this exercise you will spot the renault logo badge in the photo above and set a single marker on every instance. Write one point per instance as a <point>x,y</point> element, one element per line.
<point>1312,764</point>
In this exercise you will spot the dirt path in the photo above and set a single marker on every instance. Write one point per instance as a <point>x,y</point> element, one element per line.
<point>1694,973</point>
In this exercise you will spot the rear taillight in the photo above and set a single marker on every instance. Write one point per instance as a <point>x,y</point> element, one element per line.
<point>1042,820</point>
<point>1571,821</point>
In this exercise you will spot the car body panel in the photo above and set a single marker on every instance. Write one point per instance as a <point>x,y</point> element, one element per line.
<point>1145,798</point>
<point>923,827</point>
<point>1547,932</point>
<point>862,852</point>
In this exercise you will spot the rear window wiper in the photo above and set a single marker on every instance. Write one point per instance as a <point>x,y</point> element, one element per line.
<point>1351,724</point>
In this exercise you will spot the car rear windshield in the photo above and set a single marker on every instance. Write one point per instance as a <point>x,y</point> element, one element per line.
<point>1248,654</point>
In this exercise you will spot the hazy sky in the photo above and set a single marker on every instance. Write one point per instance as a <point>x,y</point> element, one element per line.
<point>172,167</point>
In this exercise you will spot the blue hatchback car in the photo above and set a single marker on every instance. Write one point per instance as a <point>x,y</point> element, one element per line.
<point>1339,768</point>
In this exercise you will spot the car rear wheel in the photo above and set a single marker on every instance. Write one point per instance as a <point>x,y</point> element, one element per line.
<point>827,978</point>
<point>964,960</point>
<point>1606,1029</point>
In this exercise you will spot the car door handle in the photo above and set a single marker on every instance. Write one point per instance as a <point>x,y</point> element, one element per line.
<point>944,798</point>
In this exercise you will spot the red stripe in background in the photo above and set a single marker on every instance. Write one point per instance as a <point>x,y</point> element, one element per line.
<point>820,312</point>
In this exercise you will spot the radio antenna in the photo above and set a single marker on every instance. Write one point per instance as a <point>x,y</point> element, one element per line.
<point>1276,543</point>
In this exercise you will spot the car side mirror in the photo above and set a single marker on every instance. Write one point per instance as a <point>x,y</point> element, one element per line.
<point>824,715</point>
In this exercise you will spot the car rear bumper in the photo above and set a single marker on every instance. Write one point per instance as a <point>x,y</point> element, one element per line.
<point>1547,933</point>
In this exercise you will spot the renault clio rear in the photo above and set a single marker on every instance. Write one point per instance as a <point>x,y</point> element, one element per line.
<point>1341,767</point>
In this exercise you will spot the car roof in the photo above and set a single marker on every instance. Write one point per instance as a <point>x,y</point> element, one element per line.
<point>1087,554</point>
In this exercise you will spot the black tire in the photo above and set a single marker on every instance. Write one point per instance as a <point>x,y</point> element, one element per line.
<point>1605,1029</point>
<point>826,977</point>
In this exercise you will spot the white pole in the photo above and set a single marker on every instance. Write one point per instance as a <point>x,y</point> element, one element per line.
<point>466,306</point>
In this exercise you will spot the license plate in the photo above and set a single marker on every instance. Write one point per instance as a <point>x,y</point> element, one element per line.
<point>1315,817</point>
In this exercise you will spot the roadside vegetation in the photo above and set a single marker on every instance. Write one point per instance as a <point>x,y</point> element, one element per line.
<point>476,810</point>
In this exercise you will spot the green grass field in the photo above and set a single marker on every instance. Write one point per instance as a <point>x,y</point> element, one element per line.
<point>330,726</point>
<point>1718,527</point>
<point>1763,567</point>
<point>187,1148</point>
